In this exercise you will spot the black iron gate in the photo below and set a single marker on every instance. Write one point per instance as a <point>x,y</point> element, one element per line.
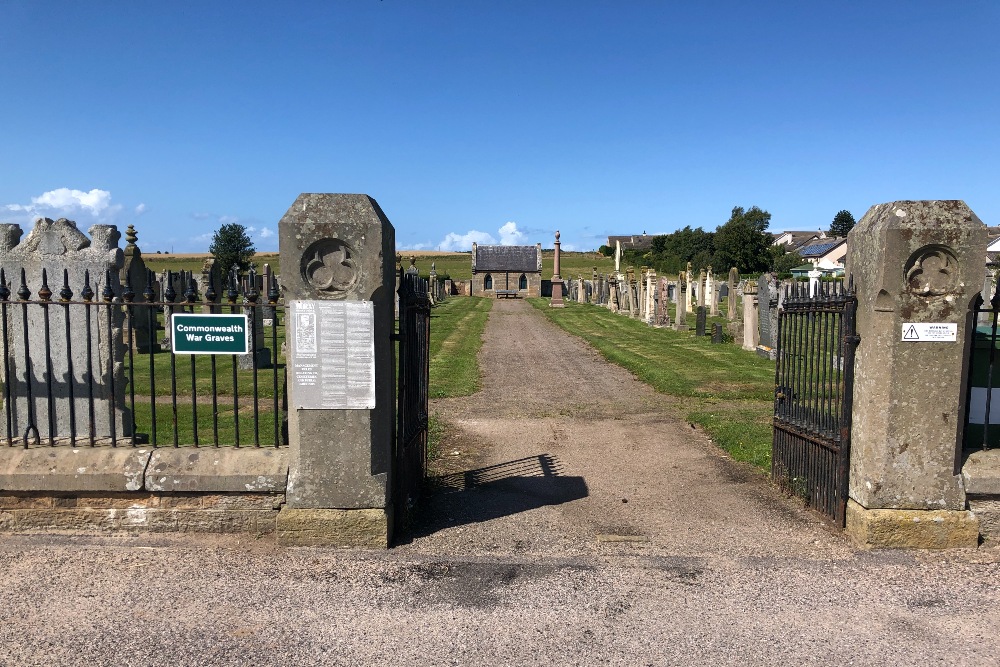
<point>414,365</point>
<point>814,381</point>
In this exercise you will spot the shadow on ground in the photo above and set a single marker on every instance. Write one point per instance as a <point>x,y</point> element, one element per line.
<point>474,496</point>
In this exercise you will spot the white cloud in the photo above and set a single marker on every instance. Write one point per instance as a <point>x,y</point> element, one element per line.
<point>266,233</point>
<point>95,201</point>
<point>140,209</point>
<point>229,219</point>
<point>462,242</point>
<point>67,202</point>
<point>510,236</point>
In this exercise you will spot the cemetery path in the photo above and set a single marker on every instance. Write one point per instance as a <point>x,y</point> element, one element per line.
<point>563,453</point>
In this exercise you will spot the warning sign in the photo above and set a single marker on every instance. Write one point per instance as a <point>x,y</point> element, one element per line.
<point>930,332</point>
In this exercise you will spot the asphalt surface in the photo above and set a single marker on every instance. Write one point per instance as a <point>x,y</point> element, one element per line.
<point>572,521</point>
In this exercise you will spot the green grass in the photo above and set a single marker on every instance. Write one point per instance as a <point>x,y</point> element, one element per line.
<point>723,388</point>
<point>226,424</point>
<point>456,336</point>
<point>458,266</point>
<point>158,263</point>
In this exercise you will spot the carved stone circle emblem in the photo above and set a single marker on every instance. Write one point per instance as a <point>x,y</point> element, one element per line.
<point>329,266</point>
<point>932,271</point>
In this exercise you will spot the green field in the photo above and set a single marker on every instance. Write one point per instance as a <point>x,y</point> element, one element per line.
<point>457,266</point>
<point>726,390</point>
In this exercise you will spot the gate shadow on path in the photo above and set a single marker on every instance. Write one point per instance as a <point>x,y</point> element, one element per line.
<point>492,492</point>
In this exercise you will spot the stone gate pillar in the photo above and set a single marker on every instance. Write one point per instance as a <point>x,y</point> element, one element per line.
<point>917,266</point>
<point>339,281</point>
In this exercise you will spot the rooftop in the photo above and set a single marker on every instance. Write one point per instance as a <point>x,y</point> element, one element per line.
<point>507,258</point>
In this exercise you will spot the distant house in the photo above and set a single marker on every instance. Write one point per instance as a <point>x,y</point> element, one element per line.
<point>827,254</point>
<point>642,241</point>
<point>795,240</point>
<point>993,247</point>
<point>506,267</point>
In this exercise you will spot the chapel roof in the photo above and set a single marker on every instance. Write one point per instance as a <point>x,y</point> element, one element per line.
<point>507,258</point>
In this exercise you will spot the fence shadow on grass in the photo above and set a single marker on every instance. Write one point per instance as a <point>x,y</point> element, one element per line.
<point>495,491</point>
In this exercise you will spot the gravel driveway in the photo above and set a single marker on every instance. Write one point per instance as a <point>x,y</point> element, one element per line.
<point>574,522</point>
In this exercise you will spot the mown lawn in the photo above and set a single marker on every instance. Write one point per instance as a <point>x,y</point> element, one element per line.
<point>456,335</point>
<point>724,389</point>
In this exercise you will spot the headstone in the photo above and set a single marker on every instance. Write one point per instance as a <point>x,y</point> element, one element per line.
<point>663,319</point>
<point>680,319</point>
<point>211,283</point>
<point>699,326</point>
<point>135,274</point>
<point>60,249</point>
<point>651,294</point>
<point>691,289</point>
<point>734,279</point>
<point>716,333</point>
<point>711,294</point>
<point>751,332</point>
<point>766,296</point>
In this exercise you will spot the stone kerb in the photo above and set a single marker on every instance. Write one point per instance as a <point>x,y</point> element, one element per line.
<point>59,248</point>
<point>912,262</point>
<point>338,247</point>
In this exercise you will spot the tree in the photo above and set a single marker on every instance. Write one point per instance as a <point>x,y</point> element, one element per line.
<point>231,246</point>
<point>842,223</point>
<point>782,261</point>
<point>743,241</point>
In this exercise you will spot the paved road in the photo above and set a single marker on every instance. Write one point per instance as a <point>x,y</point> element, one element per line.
<point>577,524</point>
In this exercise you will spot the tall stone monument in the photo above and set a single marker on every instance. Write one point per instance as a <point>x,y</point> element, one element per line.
<point>917,266</point>
<point>338,279</point>
<point>557,283</point>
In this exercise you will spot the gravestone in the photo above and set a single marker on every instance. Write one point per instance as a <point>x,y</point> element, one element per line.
<point>210,282</point>
<point>766,299</point>
<point>269,311</point>
<point>338,279</point>
<point>711,294</point>
<point>135,274</point>
<point>664,303</point>
<point>691,290</point>
<point>651,292</point>
<point>751,331</point>
<point>59,248</point>
<point>699,326</point>
<point>680,314</point>
<point>717,333</point>
<point>734,279</point>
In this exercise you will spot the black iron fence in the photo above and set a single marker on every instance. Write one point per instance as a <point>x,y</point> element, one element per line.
<point>413,390</point>
<point>814,380</point>
<point>982,419</point>
<point>91,366</point>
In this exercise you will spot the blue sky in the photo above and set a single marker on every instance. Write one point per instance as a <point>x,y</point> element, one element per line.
<point>493,120</point>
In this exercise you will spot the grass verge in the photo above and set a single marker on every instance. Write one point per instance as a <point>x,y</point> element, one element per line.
<point>456,336</point>
<point>723,388</point>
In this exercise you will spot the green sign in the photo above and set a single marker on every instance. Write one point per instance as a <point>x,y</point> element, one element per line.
<point>209,334</point>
